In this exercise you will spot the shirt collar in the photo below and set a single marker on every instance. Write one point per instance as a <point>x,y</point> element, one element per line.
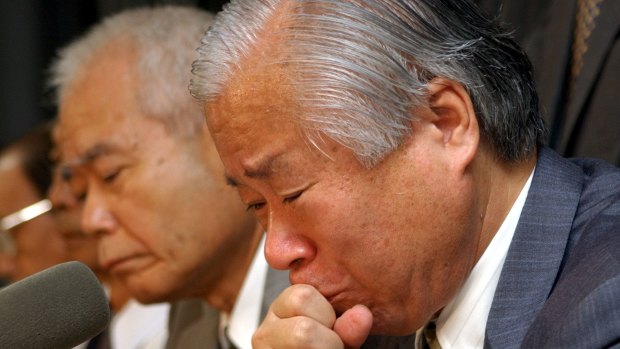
<point>462,322</point>
<point>245,316</point>
<point>140,326</point>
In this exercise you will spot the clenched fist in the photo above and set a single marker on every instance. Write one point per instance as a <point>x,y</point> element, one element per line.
<point>302,318</point>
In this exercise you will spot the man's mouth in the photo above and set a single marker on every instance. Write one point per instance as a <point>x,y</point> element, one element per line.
<point>119,264</point>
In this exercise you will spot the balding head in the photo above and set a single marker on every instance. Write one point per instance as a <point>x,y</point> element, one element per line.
<point>150,36</point>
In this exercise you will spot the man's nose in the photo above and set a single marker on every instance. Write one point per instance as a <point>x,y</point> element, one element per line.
<point>286,248</point>
<point>60,192</point>
<point>96,216</point>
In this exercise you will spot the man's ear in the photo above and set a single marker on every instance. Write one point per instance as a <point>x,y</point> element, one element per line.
<point>455,119</point>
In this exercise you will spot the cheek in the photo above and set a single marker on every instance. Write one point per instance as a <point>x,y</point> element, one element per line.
<point>152,215</point>
<point>357,223</point>
<point>349,229</point>
<point>33,241</point>
<point>137,230</point>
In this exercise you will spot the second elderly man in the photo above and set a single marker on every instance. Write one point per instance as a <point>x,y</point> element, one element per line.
<point>132,140</point>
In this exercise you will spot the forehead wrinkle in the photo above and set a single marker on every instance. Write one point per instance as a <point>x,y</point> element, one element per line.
<point>88,157</point>
<point>261,168</point>
<point>266,165</point>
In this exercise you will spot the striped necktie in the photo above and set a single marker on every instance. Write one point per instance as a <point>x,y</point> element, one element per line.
<point>100,341</point>
<point>427,337</point>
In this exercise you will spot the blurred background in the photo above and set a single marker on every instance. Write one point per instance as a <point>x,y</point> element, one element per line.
<point>31,31</point>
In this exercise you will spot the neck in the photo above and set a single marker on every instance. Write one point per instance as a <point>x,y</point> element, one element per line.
<point>223,294</point>
<point>119,295</point>
<point>501,184</point>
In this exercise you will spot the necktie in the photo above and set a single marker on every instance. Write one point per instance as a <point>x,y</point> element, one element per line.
<point>427,337</point>
<point>224,338</point>
<point>231,345</point>
<point>100,341</point>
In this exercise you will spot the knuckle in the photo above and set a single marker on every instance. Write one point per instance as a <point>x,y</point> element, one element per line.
<point>260,339</point>
<point>300,297</point>
<point>257,338</point>
<point>304,332</point>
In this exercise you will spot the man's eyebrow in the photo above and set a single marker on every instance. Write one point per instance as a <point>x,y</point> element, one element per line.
<point>260,169</point>
<point>67,167</point>
<point>231,181</point>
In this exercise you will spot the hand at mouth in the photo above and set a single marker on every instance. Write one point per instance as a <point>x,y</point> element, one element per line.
<point>304,307</point>
<point>354,325</point>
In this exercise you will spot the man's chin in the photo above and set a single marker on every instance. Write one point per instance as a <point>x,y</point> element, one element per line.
<point>147,291</point>
<point>390,324</point>
<point>384,324</point>
<point>149,296</point>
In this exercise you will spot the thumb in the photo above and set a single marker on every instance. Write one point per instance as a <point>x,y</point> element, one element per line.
<point>353,326</point>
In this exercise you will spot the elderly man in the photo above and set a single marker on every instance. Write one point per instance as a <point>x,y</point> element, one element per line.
<point>132,140</point>
<point>392,150</point>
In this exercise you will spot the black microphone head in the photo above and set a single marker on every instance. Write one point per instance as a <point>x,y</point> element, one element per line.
<point>57,308</point>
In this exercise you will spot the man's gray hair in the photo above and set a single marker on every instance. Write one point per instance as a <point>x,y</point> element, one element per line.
<point>164,40</point>
<point>364,64</point>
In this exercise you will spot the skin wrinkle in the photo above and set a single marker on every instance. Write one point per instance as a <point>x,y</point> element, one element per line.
<point>410,149</point>
<point>371,234</point>
<point>417,191</point>
<point>154,225</point>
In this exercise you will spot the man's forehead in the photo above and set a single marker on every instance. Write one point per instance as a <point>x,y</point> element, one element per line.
<point>74,142</point>
<point>66,131</point>
<point>267,163</point>
<point>98,98</point>
<point>255,120</point>
<point>260,88</point>
<point>83,136</point>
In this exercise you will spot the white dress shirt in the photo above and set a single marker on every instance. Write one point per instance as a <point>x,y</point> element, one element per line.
<point>244,319</point>
<point>140,326</point>
<point>462,322</point>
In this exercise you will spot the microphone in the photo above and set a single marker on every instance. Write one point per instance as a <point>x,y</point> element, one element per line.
<point>59,307</point>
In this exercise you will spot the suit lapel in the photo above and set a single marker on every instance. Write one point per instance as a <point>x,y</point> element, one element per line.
<point>536,251</point>
<point>193,324</point>
<point>599,44</point>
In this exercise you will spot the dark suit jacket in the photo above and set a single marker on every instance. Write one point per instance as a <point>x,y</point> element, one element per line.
<point>560,284</point>
<point>193,324</point>
<point>588,124</point>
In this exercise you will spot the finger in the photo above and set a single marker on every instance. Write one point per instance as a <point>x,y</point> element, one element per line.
<point>354,326</point>
<point>304,300</point>
<point>295,333</point>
